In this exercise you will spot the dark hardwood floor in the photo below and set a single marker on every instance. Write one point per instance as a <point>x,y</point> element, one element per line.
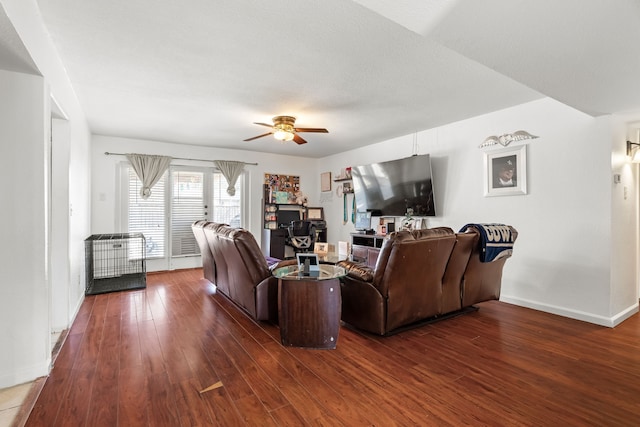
<point>140,358</point>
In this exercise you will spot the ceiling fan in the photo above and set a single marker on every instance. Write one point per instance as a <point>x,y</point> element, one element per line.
<point>283,130</point>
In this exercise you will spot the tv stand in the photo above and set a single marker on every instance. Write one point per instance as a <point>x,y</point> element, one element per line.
<point>365,248</point>
<point>363,231</point>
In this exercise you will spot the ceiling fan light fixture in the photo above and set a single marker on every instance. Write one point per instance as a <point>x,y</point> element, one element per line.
<point>283,135</point>
<point>283,132</point>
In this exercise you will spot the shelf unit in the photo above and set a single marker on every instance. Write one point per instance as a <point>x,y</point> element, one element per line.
<point>365,248</point>
<point>347,184</point>
<point>270,209</point>
<point>270,217</point>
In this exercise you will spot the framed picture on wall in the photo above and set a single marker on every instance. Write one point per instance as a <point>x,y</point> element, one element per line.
<point>315,213</point>
<point>505,172</point>
<point>325,181</point>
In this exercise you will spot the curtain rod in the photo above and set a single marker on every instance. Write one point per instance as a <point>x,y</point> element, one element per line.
<point>177,158</point>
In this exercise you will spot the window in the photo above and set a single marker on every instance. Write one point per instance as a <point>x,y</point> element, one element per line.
<point>148,216</point>
<point>226,208</point>
<point>187,205</point>
<point>182,196</point>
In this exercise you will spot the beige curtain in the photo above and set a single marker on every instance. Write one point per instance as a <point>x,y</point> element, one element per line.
<point>149,170</point>
<point>231,171</point>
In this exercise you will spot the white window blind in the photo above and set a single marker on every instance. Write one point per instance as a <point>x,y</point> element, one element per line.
<point>187,206</point>
<point>148,216</point>
<point>227,209</point>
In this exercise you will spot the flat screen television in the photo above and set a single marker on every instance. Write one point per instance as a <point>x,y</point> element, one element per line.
<point>391,188</point>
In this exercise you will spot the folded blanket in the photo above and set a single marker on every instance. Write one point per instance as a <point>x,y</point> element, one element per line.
<point>496,240</point>
<point>271,261</point>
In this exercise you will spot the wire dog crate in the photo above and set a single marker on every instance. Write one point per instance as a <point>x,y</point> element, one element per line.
<point>115,262</point>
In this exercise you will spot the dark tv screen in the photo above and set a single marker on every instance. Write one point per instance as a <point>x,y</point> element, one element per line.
<point>391,188</point>
<point>285,217</point>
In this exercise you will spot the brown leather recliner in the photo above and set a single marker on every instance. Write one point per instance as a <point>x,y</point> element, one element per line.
<point>406,285</point>
<point>242,273</point>
<point>208,263</point>
<point>454,274</point>
<point>419,275</point>
<point>222,277</point>
<point>482,281</point>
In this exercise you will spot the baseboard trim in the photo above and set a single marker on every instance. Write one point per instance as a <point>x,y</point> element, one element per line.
<point>574,314</point>
<point>25,375</point>
<point>625,314</point>
<point>29,402</point>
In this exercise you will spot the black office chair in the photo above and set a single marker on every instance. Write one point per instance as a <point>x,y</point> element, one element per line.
<point>302,235</point>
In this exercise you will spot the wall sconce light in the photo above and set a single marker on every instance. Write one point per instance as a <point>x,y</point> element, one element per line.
<point>633,151</point>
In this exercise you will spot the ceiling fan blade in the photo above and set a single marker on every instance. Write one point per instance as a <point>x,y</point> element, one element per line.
<point>318,130</point>
<point>298,140</point>
<point>259,136</point>
<point>263,124</point>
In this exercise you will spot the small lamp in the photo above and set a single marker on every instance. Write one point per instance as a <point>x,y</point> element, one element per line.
<point>633,151</point>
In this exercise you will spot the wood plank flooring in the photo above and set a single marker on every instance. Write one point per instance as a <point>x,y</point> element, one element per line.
<point>140,358</point>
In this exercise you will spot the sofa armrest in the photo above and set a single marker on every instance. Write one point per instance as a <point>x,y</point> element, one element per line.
<point>357,270</point>
<point>283,263</point>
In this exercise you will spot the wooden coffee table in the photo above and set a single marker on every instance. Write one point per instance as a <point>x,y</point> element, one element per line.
<point>309,307</point>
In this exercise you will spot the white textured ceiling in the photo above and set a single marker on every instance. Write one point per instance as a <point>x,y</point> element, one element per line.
<point>200,72</point>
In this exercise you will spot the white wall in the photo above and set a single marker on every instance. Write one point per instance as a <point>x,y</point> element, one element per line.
<point>104,192</point>
<point>562,260</point>
<point>60,263</point>
<point>26,19</point>
<point>24,222</point>
<point>624,222</point>
<point>79,209</point>
<point>27,323</point>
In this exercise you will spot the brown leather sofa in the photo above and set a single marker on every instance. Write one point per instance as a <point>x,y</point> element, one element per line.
<point>208,264</point>
<point>240,270</point>
<point>420,275</point>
